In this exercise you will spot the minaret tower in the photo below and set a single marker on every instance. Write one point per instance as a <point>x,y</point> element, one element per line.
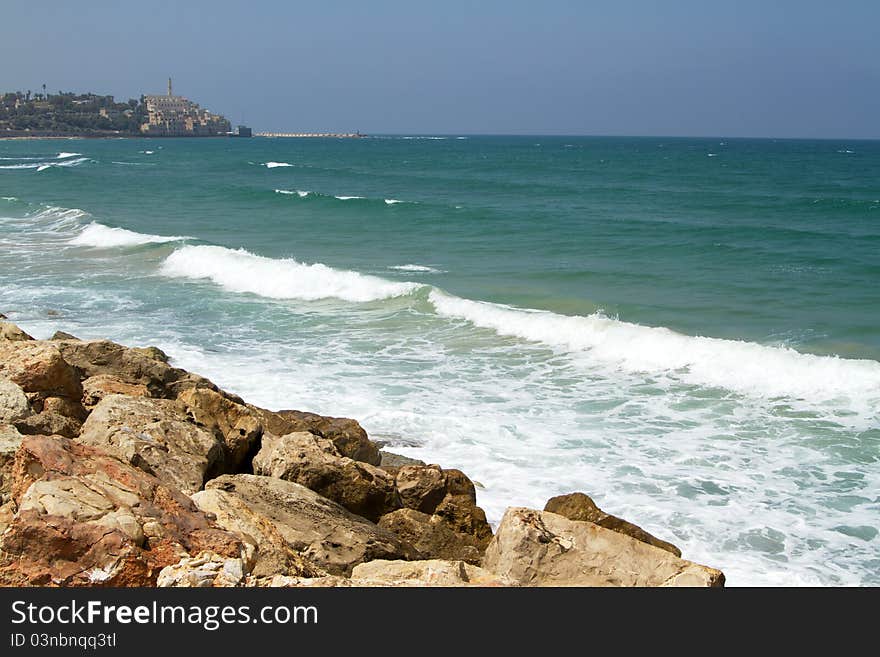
<point>169,87</point>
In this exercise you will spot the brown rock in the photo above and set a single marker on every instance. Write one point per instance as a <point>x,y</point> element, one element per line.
<point>447,494</point>
<point>432,536</point>
<point>235,425</point>
<point>61,335</point>
<point>433,572</point>
<point>578,506</point>
<point>274,555</point>
<point>314,527</point>
<point>49,423</point>
<point>71,408</point>
<point>9,332</point>
<point>10,441</point>
<point>539,548</point>
<point>130,365</point>
<point>347,435</point>
<point>421,487</point>
<point>95,388</point>
<point>38,366</point>
<point>316,464</point>
<point>389,461</point>
<point>14,403</point>
<point>86,519</point>
<point>156,436</point>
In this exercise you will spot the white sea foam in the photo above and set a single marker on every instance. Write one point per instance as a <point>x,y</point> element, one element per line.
<point>392,201</point>
<point>147,152</point>
<point>21,166</point>
<point>275,165</point>
<point>8,198</point>
<point>242,271</point>
<point>745,367</point>
<point>288,192</point>
<point>101,236</point>
<point>417,268</point>
<point>347,198</point>
<point>62,155</point>
<point>42,166</point>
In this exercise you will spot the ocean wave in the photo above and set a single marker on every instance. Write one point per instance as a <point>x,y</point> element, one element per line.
<point>293,192</point>
<point>275,165</point>
<point>417,268</point>
<point>348,198</point>
<point>58,216</point>
<point>744,367</point>
<point>101,236</point>
<point>392,201</point>
<point>63,155</point>
<point>237,270</point>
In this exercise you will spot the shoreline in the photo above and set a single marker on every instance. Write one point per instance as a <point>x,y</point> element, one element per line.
<point>397,521</point>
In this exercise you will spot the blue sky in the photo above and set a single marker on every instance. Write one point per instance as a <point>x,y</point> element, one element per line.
<point>625,67</point>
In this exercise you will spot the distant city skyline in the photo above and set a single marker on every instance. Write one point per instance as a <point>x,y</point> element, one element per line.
<point>796,69</point>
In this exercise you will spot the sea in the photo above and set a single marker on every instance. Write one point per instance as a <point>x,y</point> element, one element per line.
<point>687,330</point>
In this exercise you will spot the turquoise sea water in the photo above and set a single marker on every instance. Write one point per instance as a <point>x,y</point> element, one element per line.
<point>685,329</point>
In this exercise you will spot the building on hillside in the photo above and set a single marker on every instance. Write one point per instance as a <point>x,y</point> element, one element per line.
<point>176,116</point>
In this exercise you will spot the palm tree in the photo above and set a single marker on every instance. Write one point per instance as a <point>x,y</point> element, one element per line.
<point>45,97</point>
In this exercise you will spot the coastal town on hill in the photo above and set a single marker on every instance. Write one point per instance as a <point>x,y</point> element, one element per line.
<point>67,114</point>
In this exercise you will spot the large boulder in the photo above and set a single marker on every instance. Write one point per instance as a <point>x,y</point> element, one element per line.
<point>235,425</point>
<point>313,526</point>
<point>347,435</point>
<point>448,494</point>
<point>432,572</point>
<point>432,536</point>
<point>85,518</point>
<point>274,554</point>
<point>156,436</point>
<point>39,367</point>
<point>539,548</point>
<point>579,506</point>
<point>10,441</point>
<point>9,332</point>
<point>136,366</point>
<point>14,404</point>
<point>315,463</point>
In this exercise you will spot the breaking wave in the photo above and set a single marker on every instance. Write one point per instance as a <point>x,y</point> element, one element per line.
<point>745,367</point>
<point>101,236</point>
<point>237,270</point>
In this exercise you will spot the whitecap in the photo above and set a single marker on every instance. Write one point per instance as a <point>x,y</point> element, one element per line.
<point>417,268</point>
<point>274,165</point>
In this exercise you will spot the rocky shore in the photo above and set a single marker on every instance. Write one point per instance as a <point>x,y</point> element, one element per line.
<point>118,469</point>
